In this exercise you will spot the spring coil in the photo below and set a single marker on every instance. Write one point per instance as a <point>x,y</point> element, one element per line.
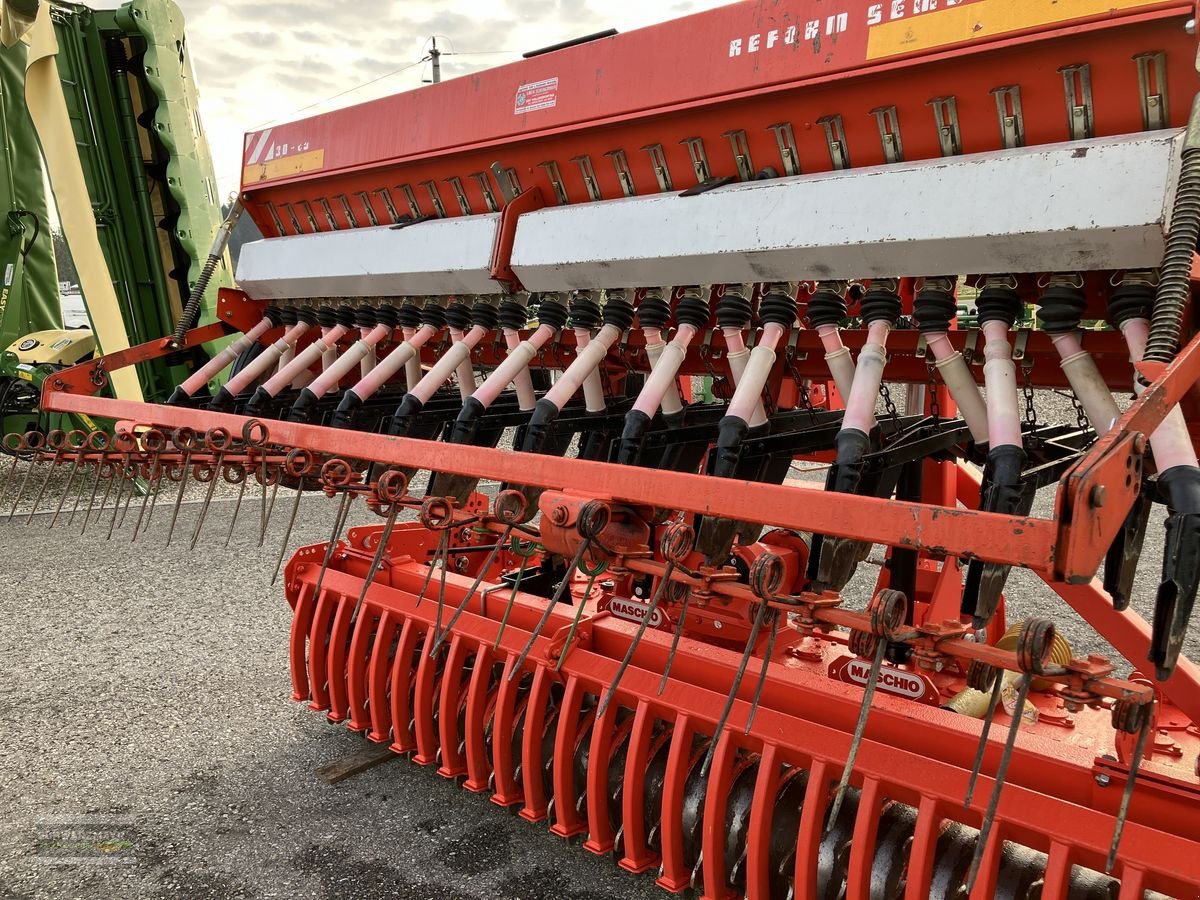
<point>1174,288</point>
<point>191,310</point>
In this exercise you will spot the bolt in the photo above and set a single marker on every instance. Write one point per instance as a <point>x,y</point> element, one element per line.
<point>717,624</point>
<point>559,515</point>
<point>1139,442</point>
<point>1102,779</point>
<point>1099,495</point>
<point>1189,26</point>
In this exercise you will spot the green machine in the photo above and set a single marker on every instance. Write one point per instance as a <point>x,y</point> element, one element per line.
<point>133,109</point>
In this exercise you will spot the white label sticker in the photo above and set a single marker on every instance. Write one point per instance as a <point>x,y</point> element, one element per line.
<point>893,681</point>
<point>634,611</point>
<point>535,96</point>
<point>8,275</point>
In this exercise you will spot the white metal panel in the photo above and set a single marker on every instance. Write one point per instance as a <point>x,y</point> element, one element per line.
<point>1086,205</point>
<point>442,256</point>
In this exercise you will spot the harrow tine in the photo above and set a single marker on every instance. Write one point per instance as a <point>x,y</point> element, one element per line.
<point>733,690</point>
<point>185,440</point>
<point>58,442</point>
<point>299,464</point>
<point>762,675</point>
<point>102,465</point>
<point>989,817</point>
<point>592,575</point>
<point>1135,765</point>
<point>62,501</point>
<point>34,442</point>
<point>218,440</point>
<point>287,535</point>
<point>13,443</point>
<point>377,559</point>
<point>237,507</point>
<point>458,610</point>
<point>442,550</point>
<point>678,541</point>
<point>687,599</point>
<point>993,702</point>
<point>124,477</point>
<point>200,519</point>
<point>262,535</point>
<point>526,554</point>
<point>558,593</point>
<point>339,522</point>
<point>887,611</point>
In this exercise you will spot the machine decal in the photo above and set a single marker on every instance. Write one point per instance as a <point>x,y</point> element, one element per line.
<point>958,21</point>
<point>538,95</point>
<point>895,681</point>
<point>634,611</point>
<point>282,165</point>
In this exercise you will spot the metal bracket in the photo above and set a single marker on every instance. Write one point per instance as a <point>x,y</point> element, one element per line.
<point>1012,120</point>
<point>485,187</point>
<point>291,211</point>
<point>785,138</point>
<point>970,345</point>
<point>711,184</point>
<point>1021,344</point>
<point>460,194</point>
<point>835,134</point>
<point>312,217</point>
<point>945,113</point>
<point>1077,83</point>
<point>699,157</point>
<point>589,177</point>
<point>792,353</point>
<point>328,210</point>
<point>435,198</point>
<point>555,176</point>
<point>366,202</point>
<point>658,159</point>
<point>350,216</point>
<point>922,348</point>
<point>741,154</point>
<point>510,186</point>
<point>275,218</point>
<point>386,195</point>
<point>1152,88</point>
<point>889,133</point>
<point>411,198</point>
<point>624,175</point>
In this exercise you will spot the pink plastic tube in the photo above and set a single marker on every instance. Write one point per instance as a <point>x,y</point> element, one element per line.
<point>514,368</point>
<point>1171,442</point>
<point>399,358</point>
<point>747,396</point>
<point>266,360</point>
<point>660,390</point>
<point>593,385</point>
<point>412,365</point>
<point>1000,376</point>
<point>1086,381</point>
<point>451,361</point>
<point>291,374</point>
<point>868,376</point>
<point>225,358</point>
<point>837,357</point>
<point>345,364</point>
<point>961,384</point>
<point>585,369</point>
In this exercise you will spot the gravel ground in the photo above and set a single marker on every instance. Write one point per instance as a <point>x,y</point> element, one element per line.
<point>144,704</point>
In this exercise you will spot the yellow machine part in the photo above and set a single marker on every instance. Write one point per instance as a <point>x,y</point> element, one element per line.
<point>59,347</point>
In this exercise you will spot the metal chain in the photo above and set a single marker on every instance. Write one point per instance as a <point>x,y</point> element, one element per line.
<point>935,408</point>
<point>1030,411</point>
<point>889,404</point>
<point>1081,416</point>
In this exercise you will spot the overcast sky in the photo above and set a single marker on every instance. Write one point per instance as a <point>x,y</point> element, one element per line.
<point>258,63</point>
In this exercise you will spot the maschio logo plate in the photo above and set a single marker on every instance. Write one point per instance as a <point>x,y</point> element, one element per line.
<point>635,611</point>
<point>899,682</point>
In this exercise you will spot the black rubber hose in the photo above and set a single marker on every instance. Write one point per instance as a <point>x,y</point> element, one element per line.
<point>1174,285</point>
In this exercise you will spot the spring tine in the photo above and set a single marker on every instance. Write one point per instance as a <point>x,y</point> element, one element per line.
<point>989,817</point>
<point>133,486</point>
<point>737,683</point>
<point>37,501</point>
<point>287,535</point>
<point>62,501</point>
<point>79,497</point>
<point>21,493</point>
<point>237,507</point>
<point>442,549</point>
<point>859,728</point>
<point>262,535</point>
<point>153,485</point>
<point>112,523</point>
<point>458,610</point>
<point>993,702</point>
<point>95,488</point>
<point>377,559</point>
<point>562,588</point>
<point>512,598</point>
<point>183,480</point>
<point>587,592</point>
<point>668,571</point>
<point>762,675</point>
<point>1135,765</point>
<point>687,598</point>
<point>212,486</point>
<point>441,601</point>
<point>262,479</point>
<point>338,523</point>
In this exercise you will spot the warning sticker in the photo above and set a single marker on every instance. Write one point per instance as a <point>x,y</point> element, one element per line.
<point>539,95</point>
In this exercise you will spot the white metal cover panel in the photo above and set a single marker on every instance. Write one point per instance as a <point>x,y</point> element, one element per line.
<point>443,256</point>
<point>1086,205</point>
